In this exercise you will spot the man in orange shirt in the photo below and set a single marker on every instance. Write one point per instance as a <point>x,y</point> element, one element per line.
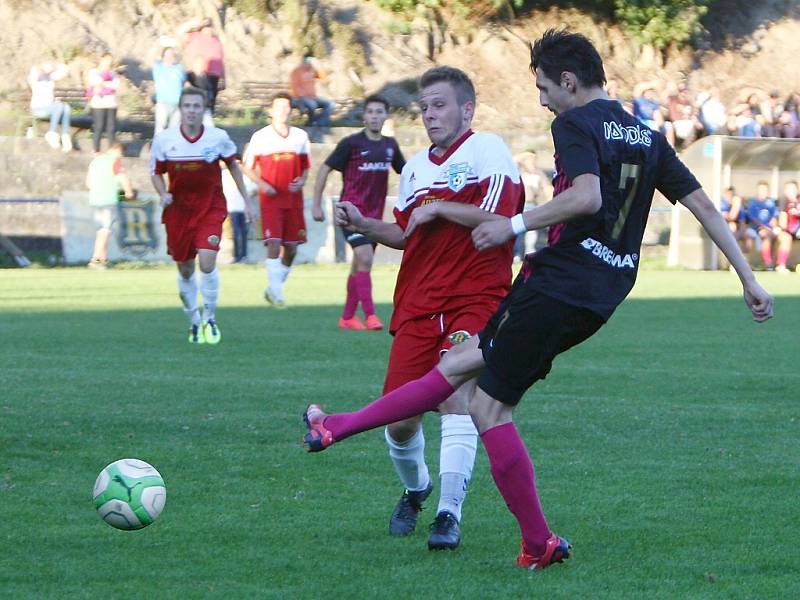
<point>303,87</point>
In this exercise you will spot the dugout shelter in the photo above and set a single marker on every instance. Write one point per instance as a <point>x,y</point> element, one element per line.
<point>718,162</point>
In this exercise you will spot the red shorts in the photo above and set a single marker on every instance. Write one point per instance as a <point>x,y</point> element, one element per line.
<point>285,224</point>
<point>185,236</point>
<point>418,343</point>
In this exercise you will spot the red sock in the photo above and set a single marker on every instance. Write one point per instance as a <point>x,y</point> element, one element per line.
<point>414,398</point>
<point>766,253</point>
<point>351,303</point>
<point>364,290</point>
<point>783,256</point>
<point>512,471</point>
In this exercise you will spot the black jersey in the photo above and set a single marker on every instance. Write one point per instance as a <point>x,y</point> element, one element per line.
<point>591,261</point>
<point>365,165</point>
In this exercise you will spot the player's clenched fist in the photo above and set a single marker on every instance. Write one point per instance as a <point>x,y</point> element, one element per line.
<point>492,233</point>
<point>348,216</point>
<point>166,200</point>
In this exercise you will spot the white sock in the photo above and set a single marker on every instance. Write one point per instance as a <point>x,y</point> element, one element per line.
<point>456,459</point>
<point>408,459</point>
<point>274,274</point>
<point>187,290</point>
<point>209,288</point>
<point>285,272</point>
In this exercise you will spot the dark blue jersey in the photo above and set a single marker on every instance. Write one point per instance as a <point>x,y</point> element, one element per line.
<point>760,213</point>
<point>591,261</point>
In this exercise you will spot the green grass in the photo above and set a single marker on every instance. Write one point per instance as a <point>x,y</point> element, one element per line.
<point>666,447</point>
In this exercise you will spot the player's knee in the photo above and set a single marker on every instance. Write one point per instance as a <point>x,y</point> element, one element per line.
<point>402,431</point>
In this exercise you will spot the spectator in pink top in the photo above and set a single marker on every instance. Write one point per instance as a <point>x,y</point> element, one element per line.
<point>102,87</point>
<point>204,57</point>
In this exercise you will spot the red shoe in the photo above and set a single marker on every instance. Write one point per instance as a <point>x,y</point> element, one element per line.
<point>557,550</point>
<point>352,323</point>
<point>374,323</point>
<point>318,438</point>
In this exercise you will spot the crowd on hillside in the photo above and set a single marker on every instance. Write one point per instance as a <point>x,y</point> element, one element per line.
<point>194,56</point>
<point>683,115</point>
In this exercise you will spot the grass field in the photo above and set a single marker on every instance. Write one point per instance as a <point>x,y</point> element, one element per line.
<point>666,447</point>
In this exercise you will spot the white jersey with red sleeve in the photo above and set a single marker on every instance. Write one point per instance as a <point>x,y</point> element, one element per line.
<point>192,165</point>
<point>280,159</point>
<point>441,270</point>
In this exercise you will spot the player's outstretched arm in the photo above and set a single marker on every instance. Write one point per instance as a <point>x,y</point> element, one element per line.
<point>467,215</point>
<point>389,234</point>
<point>757,299</point>
<point>583,198</point>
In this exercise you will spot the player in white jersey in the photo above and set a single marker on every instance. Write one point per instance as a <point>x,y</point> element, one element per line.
<point>194,206</point>
<point>277,160</point>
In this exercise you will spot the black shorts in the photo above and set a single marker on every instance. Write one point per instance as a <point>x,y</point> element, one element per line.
<point>357,239</point>
<point>523,337</point>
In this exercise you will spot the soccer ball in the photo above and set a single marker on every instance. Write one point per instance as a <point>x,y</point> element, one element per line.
<point>129,494</point>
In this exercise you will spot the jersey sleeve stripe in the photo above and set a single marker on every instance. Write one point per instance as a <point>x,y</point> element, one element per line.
<point>489,203</point>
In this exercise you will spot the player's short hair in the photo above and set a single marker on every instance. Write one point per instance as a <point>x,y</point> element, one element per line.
<point>462,84</point>
<point>559,50</point>
<point>281,96</point>
<point>192,91</point>
<point>376,98</point>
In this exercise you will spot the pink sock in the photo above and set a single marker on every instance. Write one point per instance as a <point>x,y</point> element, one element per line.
<point>364,289</point>
<point>414,398</point>
<point>351,303</point>
<point>783,256</point>
<point>766,253</point>
<point>512,470</point>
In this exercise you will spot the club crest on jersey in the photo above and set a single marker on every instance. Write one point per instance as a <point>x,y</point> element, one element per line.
<point>458,337</point>
<point>210,154</point>
<point>457,176</point>
<point>213,240</point>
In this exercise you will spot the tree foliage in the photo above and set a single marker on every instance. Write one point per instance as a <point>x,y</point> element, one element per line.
<point>661,23</point>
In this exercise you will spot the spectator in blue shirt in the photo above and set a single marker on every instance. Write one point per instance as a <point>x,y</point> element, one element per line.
<point>762,222</point>
<point>647,108</point>
<point>169,77</point>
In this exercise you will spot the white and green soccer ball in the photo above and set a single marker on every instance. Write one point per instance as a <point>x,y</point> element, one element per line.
<point>129,494</point>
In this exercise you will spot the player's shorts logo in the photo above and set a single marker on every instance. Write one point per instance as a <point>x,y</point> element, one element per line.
<point>210,154</point>
<point>458,337</point>
<point>457,176</point>
<point>213,240</point>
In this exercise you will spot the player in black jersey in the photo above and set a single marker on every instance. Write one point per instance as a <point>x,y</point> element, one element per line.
<point>607,168</point>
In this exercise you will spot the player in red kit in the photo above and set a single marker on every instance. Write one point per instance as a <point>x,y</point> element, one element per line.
<point>277,159</point>
<point>364,160</point>
<point>194,206</point>
<point>446,290</point>
<point>608,166</point>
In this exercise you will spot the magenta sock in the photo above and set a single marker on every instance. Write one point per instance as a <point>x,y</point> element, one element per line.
<point>364,290</point>
<point>766,253</point>
<point>414,398</point>
<point>351,303</point>
<point>783,256</point>
<point>513,474</point>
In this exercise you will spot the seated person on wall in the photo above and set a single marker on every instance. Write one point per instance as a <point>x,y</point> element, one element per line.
<point>303,88</point>
<point>169,77</point>
<point>42,79</point>
<point>647,108</point>
<point>762,219</point>
<point>789,223</point>
<point>683,116</point>
<point>712,112</point>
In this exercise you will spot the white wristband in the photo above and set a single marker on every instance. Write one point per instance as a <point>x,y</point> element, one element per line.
<point>518,224</point>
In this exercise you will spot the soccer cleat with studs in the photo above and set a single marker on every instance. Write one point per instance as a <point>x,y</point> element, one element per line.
<point>557,550</point>
<point>211,332</point>
<point>445,533</point>
<point>196,335</point>
<point>353,323</point>
<point>404,517</point>
<point>317,438</point>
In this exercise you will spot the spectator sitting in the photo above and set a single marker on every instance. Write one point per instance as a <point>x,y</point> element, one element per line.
<point>762,219</point>
<point>42,80</point>
<point>789,224</point>
<point>712,112</point>
<point>168,78</point>
<point>787,125</point>
<point>743,120</point>
<point>730,206</point>
<point>303,88</point>
<point>105,178</point>
<point>771,110</point>
<point>102,88</point>
<point>682,115</point>
<point>204,56</point>
<point>647,108</point>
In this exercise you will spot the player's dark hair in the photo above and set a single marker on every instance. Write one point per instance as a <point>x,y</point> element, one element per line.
<point>192,91</point>
<point>462,84</point>
<point>376,98</point>
<point>281,96</point>
<point>559,50</point>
